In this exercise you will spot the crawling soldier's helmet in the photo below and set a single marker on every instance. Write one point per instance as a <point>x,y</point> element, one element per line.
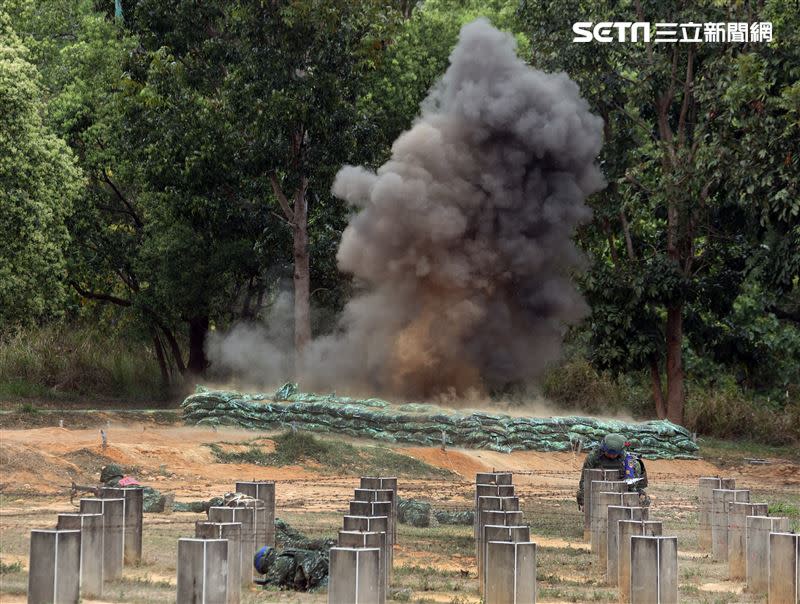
<point>110,472</point>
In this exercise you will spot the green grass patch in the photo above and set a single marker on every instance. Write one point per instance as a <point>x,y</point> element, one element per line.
<point>64,362</point>
<point>7,569</point>
<point>729,452</point>
<point>303,448</point>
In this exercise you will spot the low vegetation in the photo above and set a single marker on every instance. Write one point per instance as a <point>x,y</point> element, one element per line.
<point>301,448</point>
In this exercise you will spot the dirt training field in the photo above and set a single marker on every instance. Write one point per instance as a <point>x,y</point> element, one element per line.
<point>433,564</point>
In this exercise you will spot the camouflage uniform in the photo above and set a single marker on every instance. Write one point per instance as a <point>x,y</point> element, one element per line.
<point>630,466</point>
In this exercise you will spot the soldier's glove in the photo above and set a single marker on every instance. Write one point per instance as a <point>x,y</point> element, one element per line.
<point>579,499</point>
<point>644,499</point>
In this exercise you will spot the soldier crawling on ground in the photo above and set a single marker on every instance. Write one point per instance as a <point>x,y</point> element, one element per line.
<point>612,455</point>
<point>113,475</point>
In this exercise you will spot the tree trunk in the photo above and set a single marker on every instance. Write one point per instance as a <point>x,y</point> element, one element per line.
<point>302,274</point>
<point>675,392</point>
<point>658,390</point>
<point>162,361</point>
<point>198,328</point>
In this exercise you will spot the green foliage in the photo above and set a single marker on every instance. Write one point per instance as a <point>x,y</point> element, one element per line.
<point>301,448</point>
<point>61,362</point>
<point>39,181</point>
<point>723,411</point>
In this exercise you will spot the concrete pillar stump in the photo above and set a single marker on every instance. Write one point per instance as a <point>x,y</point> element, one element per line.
<point>263,490</point>
<point>737,536</point>
<point>494,478</point>
<point>600,502</point>
<point>589,476</point>
<point>383,483</point>
<point>232,533</point>
<point>511,534</point>
<point>510,573</point>
<point>134,516</point>
<point>113,512</point>
<point>654,570</point>
<point>707,484</point>
<point>615,514</point>
<point>373,524</point>
<point>720,498</point>
<point>626,529</point>
<point>354,576</point>
<point>497,504</point>
<point>91,529</point>
<point>359,540</point>
<point>784,568</point>
<point>246,518</point>
<point>757,560</point>
<point>202,571</point>
<point>54,567</point>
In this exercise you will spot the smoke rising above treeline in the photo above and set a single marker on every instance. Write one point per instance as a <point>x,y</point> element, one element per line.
<point>463,239</point>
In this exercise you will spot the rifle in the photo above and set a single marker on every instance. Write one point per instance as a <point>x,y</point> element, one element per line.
<point>80,488</point>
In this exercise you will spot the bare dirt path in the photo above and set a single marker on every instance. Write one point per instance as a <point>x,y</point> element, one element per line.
<point>434,565</point>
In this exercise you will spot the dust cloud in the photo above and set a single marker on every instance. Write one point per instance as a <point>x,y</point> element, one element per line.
<point>462,239</point>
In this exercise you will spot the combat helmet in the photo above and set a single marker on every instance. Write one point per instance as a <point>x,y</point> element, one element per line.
<point>613,443</point>
<point>110,472</point>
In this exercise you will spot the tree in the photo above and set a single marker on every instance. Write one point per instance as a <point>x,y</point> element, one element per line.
<point>39,181</point>
<point>669,241</point>
<point>300,70</point>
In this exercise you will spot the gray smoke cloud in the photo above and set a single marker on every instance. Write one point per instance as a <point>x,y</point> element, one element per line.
<point>463,239</point>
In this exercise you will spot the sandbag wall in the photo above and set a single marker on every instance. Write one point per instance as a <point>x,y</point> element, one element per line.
<point>427,424</point>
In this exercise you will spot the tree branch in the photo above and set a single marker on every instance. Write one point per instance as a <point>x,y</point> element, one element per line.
<point>627,231</point>
<point>687,94</point>
<point>100,296</point>
<point>284,203</point>
<point>137,221</point>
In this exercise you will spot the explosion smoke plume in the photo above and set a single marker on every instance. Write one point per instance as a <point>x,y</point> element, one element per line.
<point>463,238</point>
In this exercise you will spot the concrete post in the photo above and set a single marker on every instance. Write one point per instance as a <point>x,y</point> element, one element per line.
<point>654,570</point>
<point>354,576</point>
<point>784,568</point>
<point>54,567</point>
<point>707,484</point>
<point>202,571</point>
<point>510,573</point>
<point>381,483</point>
<point>493,478</point>
<point>511,534</point>
<point>500,518</point>
<point>113,512</point>
<point>737,536</point>
<point>245,517</point>
<point>720,498</point>
<point>589,476</point>
<point>232,533</point>
<point>494,490</point>
<point>615,514</point>
<point>589,490</point>
<point>263,490</point>
<point>501,504</point>
<point>600,502</point>
<point>91,528</point>
<point>758,530</point>
<point>373,524</point>
<point>134,510</point>
<point>259,522</point>
<point>380,509</point>
<point>626,529</point>
<point>358,539</point>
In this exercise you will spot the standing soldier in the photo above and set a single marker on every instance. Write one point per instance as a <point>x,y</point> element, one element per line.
<point>612,455</point>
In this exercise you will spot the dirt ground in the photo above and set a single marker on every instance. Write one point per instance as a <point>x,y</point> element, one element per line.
<point>431,565</point>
